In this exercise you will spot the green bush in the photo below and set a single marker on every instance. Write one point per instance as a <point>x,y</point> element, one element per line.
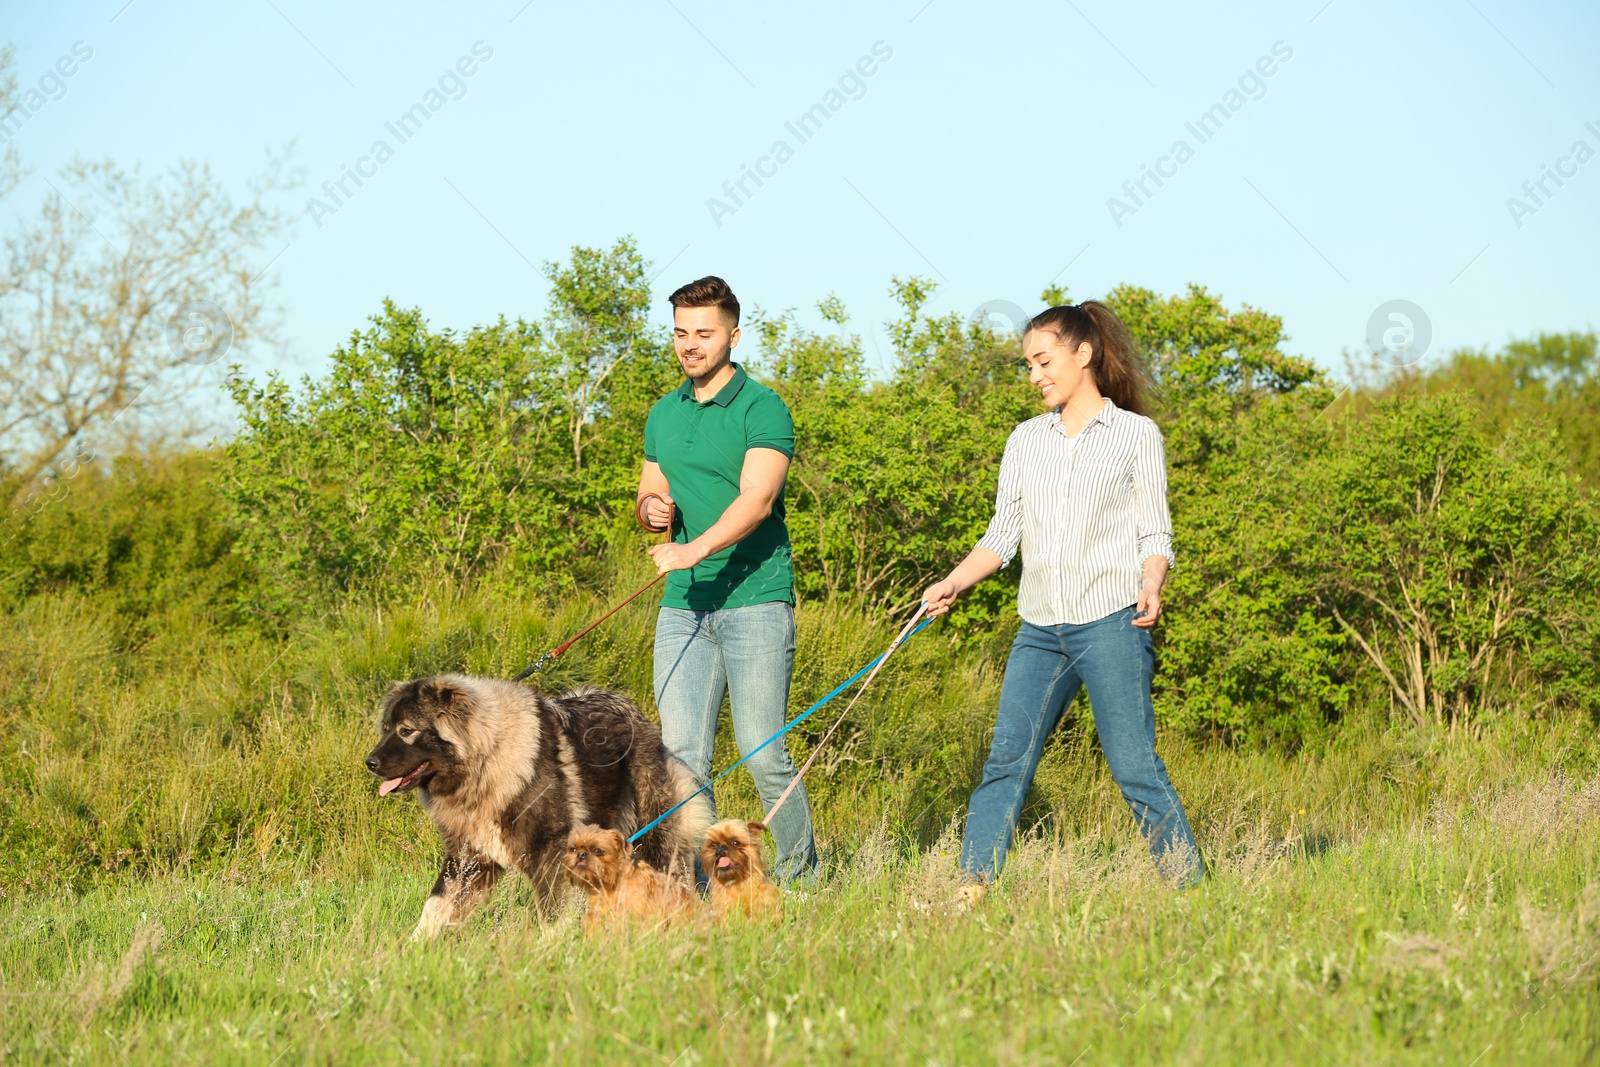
<point>893,481</point>
<point>1246,653</point>
<point>1397,553</point>
<point>146,537</point>
<point>1552,378</point>
<point>1461,567</point>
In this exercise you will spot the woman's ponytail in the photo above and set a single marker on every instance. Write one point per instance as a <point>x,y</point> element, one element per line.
<point>1118,371</point>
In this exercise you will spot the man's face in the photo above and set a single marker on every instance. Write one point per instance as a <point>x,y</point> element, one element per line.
<point>703,340</point>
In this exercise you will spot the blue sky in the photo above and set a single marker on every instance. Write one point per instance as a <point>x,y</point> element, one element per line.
<point>1373,163</point>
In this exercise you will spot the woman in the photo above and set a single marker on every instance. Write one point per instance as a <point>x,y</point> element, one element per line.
<point>1083,491</point>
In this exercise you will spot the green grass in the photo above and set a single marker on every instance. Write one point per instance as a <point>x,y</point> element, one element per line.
<point>195,869</point>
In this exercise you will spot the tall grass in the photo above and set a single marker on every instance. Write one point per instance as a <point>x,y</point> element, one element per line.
<point>203,746</point>
<point>195,868</point>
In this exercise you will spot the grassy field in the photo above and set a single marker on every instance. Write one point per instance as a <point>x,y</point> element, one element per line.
<point>195,869</point>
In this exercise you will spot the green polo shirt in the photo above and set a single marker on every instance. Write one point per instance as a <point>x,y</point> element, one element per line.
<point>700,447</point>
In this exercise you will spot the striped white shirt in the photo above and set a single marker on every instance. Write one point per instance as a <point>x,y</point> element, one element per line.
<point>1086,512</point>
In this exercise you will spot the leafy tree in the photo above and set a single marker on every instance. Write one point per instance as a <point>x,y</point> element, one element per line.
<point>117,300</point>
<point>613,368</point>
<point>1553,377</point>
<point>1244,654</point>
<point>1459,566</point>
<point>1196,346</point>
<point>424,452</point>
<point>1392,544</point>
<point>1245,651</point>
<point>823,380</point>
<point>10,166</point>
<point>894,480</point>
<point>1323,550</point>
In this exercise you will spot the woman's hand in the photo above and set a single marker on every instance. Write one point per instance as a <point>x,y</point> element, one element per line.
<point>979,564</point>
<point>1148,608</point>
<point>939,596</point>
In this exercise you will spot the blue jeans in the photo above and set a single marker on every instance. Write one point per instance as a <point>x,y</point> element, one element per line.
<point>1114,659</point>
<point>748,653</point>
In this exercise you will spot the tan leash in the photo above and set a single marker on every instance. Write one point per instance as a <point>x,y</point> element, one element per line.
<point>898,641</point>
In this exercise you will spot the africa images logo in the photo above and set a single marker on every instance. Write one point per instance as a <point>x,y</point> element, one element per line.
<point>1399,332</point>
<point>852,82</point>
<point>52,85</point>
<point>451,85</point>
<point>200,332</point>
<point>1565,169</point>
<point>1252,85</point>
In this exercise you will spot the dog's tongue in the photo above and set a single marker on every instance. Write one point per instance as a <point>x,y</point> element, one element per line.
<point>390,785</point>
<point>722,861</point>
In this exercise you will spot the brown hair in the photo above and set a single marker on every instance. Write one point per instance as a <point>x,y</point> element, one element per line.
<point>710,291</point>
<point>1118,371</point>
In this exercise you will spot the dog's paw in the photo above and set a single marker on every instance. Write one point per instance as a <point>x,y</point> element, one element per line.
<point>970,897</point>
<point>435,919</point>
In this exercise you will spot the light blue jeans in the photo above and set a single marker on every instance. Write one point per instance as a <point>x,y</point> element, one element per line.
<point>748,653</point>
<point>1115,661</point>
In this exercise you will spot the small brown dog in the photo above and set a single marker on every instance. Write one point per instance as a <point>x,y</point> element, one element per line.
<point>601,863</point>
<point>732,860</point>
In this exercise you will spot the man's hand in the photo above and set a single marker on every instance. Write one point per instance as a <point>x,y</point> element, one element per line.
<point>1148,608</point>
<point>657,512</point>
<point>654,515</point>
<point>675,557</point>
<point>760,483</point>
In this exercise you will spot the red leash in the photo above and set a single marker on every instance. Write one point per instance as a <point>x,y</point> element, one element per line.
<point>539,664</point>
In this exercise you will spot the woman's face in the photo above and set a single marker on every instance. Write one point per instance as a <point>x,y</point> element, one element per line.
<point>1054,368</point>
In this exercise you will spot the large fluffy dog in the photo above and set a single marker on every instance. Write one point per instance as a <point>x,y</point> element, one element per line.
<point>507,772</point>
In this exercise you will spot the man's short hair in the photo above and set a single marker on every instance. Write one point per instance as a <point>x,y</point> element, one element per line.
<point>710,291</point>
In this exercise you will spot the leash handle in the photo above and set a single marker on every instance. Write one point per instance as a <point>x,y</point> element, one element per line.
<point>802,717</point>
<point>543,661</point>
<point>905,632</point>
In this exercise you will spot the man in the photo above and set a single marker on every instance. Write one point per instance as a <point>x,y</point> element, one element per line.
<point>717,450</point>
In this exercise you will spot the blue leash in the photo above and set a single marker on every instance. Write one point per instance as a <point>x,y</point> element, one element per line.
<point>798,720</point>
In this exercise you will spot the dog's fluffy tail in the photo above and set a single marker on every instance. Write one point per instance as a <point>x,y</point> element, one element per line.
<point>657,786</point>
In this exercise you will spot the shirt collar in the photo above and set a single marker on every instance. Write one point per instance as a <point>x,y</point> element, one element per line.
<point>1104,415</point>
<point>724,395</point>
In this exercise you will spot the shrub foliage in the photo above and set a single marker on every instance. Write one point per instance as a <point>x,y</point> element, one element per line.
<point>1392,549</point>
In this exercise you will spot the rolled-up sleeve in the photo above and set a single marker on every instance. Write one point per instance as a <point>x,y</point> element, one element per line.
<point>1152,521</point>
<point>1005,528</point>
